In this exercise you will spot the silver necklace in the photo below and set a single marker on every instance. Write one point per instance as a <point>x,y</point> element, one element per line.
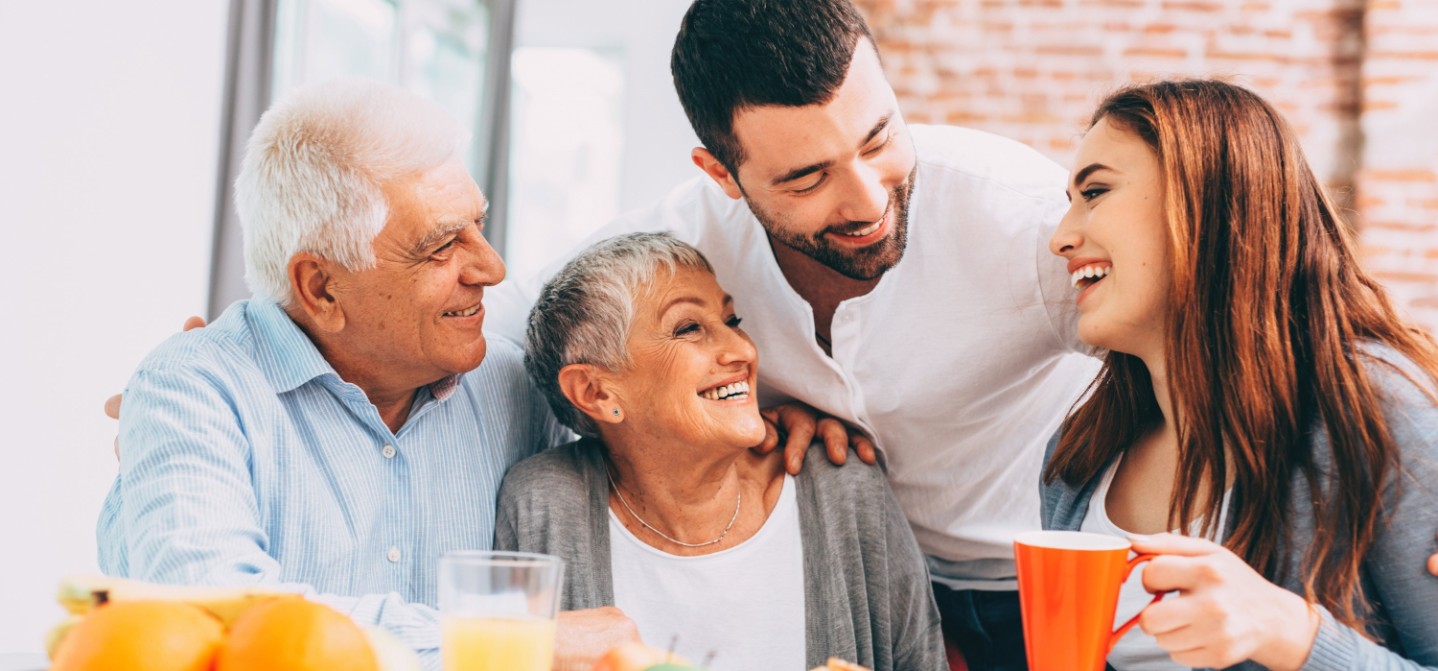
<point>738,500</point>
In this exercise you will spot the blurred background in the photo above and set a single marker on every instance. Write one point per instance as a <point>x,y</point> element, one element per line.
<point>122,124</point>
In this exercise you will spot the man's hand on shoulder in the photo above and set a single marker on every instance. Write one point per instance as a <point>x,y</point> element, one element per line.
<point>584,635</point>
<point>796,425</point>
<point>112,404</point>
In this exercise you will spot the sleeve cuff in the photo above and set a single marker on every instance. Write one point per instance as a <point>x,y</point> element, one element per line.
<point>1334,648</point>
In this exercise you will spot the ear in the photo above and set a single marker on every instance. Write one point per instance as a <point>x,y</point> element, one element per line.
<point>310,281</point>
<point>717,172</point>
<point>588,387</point>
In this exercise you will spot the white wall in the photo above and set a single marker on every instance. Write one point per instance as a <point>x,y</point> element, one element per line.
<point>109,136</point>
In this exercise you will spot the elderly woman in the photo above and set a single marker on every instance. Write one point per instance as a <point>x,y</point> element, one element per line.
<point>663,510</point>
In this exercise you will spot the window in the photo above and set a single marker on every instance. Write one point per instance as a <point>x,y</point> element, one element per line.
<point>567,133</point>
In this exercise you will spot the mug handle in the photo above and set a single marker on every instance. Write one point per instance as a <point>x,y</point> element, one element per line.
<point>1132,564</point>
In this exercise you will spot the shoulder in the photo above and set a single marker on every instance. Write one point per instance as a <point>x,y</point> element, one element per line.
<point>839,493</point>
<point>553,475</point>
<point>1406,387</point>
<point>218,352</point>
<point>993,159</point>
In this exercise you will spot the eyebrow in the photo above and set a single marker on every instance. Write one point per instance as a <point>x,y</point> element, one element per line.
<point>811,169</point>
<point>693,300</point>
<point>1089,169</point>
<point>445,230</point>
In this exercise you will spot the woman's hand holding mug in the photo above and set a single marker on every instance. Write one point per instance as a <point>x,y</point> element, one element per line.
<point>1224,611</point>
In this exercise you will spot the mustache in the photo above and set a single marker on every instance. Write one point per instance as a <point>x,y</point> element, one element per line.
<point>854,226</point>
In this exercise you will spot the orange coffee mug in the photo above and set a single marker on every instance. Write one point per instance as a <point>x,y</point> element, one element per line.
<point>1068,593</point>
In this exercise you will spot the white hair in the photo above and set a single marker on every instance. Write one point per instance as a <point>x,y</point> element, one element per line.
<point>315,169</point>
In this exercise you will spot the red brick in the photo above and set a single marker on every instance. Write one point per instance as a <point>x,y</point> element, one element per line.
<point>1376,174</point>
<point>1154,52</point>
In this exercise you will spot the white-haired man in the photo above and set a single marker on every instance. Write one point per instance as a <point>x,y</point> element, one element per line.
<point>336,433</point>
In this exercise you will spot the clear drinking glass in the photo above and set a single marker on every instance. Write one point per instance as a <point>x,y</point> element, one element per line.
<point>497,610</point>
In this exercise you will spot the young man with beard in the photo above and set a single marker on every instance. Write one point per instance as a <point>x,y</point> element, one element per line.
<point>895,277</point>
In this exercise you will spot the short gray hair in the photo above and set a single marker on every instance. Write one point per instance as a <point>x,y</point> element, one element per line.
<point>315,169</point>
<point>584,313</point>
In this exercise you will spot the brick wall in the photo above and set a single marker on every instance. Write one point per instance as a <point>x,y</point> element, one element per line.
<point>1358,79</point>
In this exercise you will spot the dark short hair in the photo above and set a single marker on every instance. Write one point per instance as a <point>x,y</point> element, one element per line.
<point>734,54</point>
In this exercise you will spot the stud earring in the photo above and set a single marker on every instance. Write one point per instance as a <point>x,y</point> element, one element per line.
<point>616,412</point>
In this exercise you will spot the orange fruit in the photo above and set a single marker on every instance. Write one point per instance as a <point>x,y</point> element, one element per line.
<point>295,635</point>
<point>143,636</point>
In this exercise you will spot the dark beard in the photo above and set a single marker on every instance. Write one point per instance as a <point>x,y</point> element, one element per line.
<point>863,264</point>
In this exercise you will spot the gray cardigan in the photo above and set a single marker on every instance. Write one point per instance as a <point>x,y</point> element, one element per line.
<point>867,597</point>
<point>1404,596</point>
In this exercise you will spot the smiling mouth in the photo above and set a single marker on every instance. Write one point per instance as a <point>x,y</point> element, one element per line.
<point>867,230</point>
<point>737,391</point>
<point>465,313</point>
<point>1089,275</point>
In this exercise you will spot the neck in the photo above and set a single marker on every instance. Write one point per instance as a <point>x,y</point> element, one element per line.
<point>1157,366</point>
<point>687,494</point>
<point>821,286</point>
<point>393,401</point>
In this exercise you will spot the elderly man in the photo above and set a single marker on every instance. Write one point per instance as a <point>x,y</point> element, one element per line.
<point>336,433</point>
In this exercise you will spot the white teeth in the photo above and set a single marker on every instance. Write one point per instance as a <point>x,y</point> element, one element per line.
<point>1094,271</point>
<point>463,313</point>
<point>866,230</point>
<point>736,390</point>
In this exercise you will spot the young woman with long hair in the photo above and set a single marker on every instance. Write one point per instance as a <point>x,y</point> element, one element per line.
<point>1260,396</point>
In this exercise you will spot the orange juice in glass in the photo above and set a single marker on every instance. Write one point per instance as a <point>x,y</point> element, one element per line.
<point>497,610</point>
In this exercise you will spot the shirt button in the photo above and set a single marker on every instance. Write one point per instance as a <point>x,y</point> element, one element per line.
<point>388,451</point>
<point>393,554</point>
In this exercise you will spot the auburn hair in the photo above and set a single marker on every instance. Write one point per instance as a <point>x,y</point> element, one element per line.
<point>1264,344</point>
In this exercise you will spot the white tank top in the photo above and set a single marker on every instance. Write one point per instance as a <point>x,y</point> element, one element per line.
<point>743,605</point>
<point>1136,651</point>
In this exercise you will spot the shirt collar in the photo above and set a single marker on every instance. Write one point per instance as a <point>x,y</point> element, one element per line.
<point>290,359</point>
<point>286,355</point>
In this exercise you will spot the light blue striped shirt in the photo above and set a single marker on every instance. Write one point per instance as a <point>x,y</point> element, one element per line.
<point>246,459</point>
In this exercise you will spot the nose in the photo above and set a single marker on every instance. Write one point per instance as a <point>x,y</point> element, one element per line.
<point>1066,239</point>
<point>482,265</point>
<point>868,195</point>
<point>737,348</point>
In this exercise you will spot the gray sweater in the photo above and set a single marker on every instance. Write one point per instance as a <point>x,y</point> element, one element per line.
<point>1403,594</point>
<point>867,597</point>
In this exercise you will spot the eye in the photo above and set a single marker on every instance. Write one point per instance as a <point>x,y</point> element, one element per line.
<point>1092,193</point>
<point>733,322</point>
<point>810,189</point>
<point>686,328</point>
<point>887,139</point>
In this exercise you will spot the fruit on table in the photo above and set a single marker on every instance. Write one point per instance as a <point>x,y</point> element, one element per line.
<point>151,635</point>
<point>635,656</point>
<point>295,635</point>
<point>82,594</point>
<point>253,628</point>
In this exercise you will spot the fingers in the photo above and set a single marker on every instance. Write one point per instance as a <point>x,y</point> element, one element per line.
<point>112,406</point>
<point>865,448</point>
<point>193,323</point>
<point>795,445</point>
<point>836,439</point>
<point>1172,544</point>
<point>771,438</point>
